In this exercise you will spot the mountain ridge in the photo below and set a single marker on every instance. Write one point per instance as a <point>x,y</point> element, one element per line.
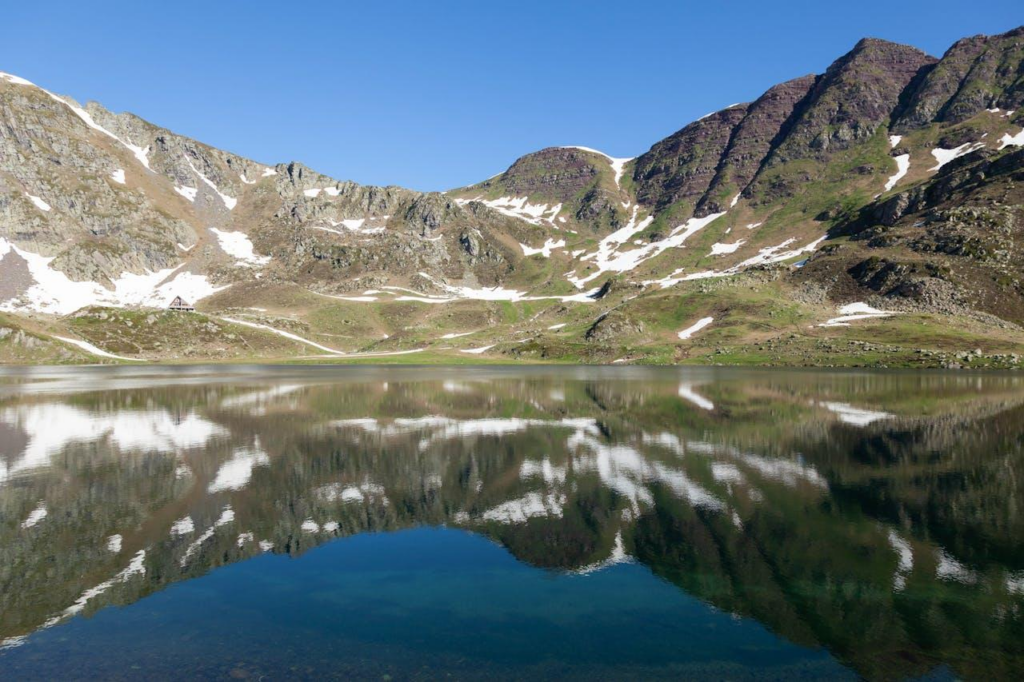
<point>100,209</point>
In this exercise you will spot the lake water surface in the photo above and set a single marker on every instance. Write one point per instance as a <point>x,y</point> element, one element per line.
<point>420,523</point>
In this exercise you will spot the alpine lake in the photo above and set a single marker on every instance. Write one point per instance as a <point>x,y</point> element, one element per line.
<point>245,522</point>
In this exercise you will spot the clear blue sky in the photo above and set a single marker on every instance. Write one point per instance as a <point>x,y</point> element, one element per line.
<point>437,94</point>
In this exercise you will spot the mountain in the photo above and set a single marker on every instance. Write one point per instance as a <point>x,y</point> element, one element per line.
<point>867,215</point>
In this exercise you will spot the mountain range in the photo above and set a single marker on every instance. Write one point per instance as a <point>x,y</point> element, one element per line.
<point>869,215</point>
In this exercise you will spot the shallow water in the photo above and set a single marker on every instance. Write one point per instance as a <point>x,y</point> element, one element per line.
<point>415,523</point>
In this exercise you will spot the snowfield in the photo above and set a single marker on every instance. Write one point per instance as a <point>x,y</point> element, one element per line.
<point>52,292</point>
<point>767,255</point>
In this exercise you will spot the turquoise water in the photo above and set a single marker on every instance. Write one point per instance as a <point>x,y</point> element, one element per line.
<point>420,603</point>
<point>510,524</point>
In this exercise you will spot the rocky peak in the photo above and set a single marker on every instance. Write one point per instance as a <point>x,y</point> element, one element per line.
<point>855,96</point>
<point>430,211</point>
<point>976,73</point>
<point>557,173</point>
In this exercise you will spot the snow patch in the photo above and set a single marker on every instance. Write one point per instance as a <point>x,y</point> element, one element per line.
<point>695,327</point>
<point>281,332</point>
<point>848,414</point>
<point>40,204</point>
<point>239,246</point>
<point>236,472</point>
<point>35,516</point>
<point>944,156</point>
<point>545,250</point>
<point>187,192</point>
<point>527,507</point>
<point>521,208</point>
<point>855,311</point>
<point>1008,140</point>
<point>477,351</point>
<point>229,202</point>
<point>183,526</point>
<point>86,346</point>
<point>904,559</point>
<point>769,254</point>
<point>902,166</point>
<point>720,248</point>
<point>687,393</point>
<point>618,164</point>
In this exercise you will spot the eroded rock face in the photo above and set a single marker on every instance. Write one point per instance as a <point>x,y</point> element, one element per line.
<point>752,140</point>
<point>49,154</point>
<point>681,167</point>
<point>855,96</point>
<point>976,73</point>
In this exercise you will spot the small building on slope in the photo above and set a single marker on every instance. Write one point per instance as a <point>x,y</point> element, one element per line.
<point>181,306</point>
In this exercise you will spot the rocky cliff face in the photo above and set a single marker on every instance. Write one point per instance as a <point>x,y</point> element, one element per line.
<point>682,166</point>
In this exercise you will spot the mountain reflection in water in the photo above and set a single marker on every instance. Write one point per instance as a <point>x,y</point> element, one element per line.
<point>847,523</point>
